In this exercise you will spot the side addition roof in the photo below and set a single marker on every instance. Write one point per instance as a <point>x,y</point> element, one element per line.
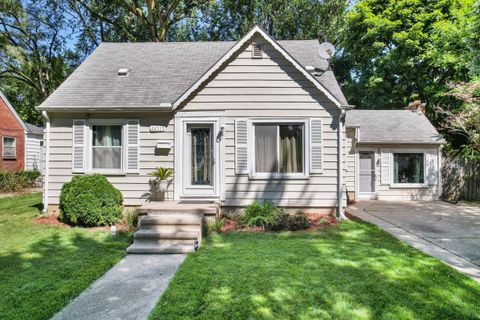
<point>393,127</point>
<point>161,73</point>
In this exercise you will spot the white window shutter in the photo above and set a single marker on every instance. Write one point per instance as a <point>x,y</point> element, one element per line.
<point>133,145</point>
<point>386,166</point>
<point>78,146</point>
<point>241,146</point>
<point>316,146</point>
<point>431,167</point>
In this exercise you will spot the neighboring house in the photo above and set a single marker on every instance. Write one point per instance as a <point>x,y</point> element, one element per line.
<point>239,122</point>
<point>21,143</point>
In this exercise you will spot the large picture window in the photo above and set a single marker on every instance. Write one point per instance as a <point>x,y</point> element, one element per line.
<point>9,148</point>
<point>408,168</point>
<point>107,147</point>
<point>279,148</point>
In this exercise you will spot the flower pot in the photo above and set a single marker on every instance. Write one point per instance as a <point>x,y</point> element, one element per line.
<point>163,185</point>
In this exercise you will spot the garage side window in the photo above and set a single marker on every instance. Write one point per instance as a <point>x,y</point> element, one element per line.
<point>409,168</point>
<point>9,150</point>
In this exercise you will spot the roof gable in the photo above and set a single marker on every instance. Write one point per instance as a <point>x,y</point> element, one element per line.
<point>236,49</point>
<point>12,110</point>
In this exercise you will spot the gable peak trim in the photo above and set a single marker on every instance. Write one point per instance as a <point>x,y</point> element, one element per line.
<point>254,31</point>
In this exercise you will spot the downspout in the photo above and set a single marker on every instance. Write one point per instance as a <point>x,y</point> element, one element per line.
<point>47,158</point>
<point>340,186</point>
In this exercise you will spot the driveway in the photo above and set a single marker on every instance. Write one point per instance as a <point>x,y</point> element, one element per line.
<point>453,228</point>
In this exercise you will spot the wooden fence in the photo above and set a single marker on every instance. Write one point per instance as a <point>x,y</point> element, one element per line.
<point>461,179</point>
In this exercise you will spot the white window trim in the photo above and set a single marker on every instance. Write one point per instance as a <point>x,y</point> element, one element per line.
<point>14,148</point>
<point>88,146</point>
<point>392,169</point>
<point>278,176</point>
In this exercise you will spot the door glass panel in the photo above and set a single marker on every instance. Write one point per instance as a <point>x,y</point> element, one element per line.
<point>367,172</point>
<point>201,156</point>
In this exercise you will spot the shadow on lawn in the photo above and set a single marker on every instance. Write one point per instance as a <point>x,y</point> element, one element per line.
<point>354,272</point>
<point>39,280</point>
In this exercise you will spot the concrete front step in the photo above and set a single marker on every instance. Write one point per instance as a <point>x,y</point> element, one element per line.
<point>172,228</point>
<point>155,234</point>
<point>142,248</point>
<point>172,219</point>
<point>166,207</point>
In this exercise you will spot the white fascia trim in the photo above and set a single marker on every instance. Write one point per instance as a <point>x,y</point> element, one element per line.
<point>237,47</point>
<point>410,142</point>
<point>12,110</point>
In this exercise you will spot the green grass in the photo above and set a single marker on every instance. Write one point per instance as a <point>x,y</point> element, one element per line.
<point>42,267</point>
<point>353,271</point>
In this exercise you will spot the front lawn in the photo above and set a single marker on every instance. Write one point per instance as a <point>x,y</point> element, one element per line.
<point>43,267</point>
<point>353,271</point>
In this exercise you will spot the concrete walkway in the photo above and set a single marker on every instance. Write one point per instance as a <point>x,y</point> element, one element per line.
<point>128,291</point>
<point>370,211</point>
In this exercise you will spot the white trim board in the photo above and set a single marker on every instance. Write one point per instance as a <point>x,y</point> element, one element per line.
<point>225,58</point>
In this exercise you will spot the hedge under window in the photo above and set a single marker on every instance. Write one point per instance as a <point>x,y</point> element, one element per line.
<point>408,168</point>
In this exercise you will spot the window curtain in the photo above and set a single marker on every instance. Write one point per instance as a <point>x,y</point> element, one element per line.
<point>201,156</point>
<point>266,148</point>
<point>291,153</point>
<point>107,150</point>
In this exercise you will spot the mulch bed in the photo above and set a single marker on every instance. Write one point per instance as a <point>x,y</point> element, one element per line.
<point>52,219</point>
<point>317,221</point>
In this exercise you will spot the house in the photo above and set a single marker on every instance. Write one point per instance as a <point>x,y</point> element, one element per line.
<point>253,120</point>
<point>21,143</point>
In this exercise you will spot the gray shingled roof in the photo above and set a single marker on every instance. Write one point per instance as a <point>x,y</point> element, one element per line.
<point>34,129</point>
<point>393,126</point>
<point>159,73</point>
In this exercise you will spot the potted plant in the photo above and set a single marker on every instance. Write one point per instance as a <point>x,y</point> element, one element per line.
<point>162,175</point>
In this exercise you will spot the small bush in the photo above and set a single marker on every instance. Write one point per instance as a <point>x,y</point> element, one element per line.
<point>216,225</point>
<point>258,214</point>
<point>278,221</point>
<point>90,200</point>
<point>130,220</point>
<point>298,222</point>
<point>18,181</point>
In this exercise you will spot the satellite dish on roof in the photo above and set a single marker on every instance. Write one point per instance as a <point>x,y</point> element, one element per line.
<point>326,51</point>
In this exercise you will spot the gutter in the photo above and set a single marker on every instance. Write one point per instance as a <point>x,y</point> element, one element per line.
<point>162,107</point>
<point>340,184</point>
<point>47,159</point>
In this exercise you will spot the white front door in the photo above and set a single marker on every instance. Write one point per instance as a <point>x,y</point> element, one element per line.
<point>200,163</point>
<point>366,173</point>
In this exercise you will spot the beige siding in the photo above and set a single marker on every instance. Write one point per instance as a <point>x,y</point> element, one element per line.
<point>33,152</point>
<point>135,187</point>
<point>270,88</point>
<point>389,192</point>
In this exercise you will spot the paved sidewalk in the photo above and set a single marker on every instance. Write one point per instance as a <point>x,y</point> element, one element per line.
<point>463,265</point>
<point>128,291</point>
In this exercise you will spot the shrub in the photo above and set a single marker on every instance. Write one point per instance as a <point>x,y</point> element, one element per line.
<point>298,222</point>
<point>215,226</point>
<point>90,200</point>
<point>17,181</point>
<point>278,221</point>
<point>130,220</point>
<point>258,214</point>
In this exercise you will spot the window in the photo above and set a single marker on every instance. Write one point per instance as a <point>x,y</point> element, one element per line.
<point>9,148</point>
<point>408,168</point>
<point>279,148</point>
<point>107,147</point>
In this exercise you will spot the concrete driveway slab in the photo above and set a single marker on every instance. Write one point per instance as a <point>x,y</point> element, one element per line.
<point>447,231</point>
<point>128,291</point>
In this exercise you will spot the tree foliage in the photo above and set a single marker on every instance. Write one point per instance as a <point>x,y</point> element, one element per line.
<point>395,51</point>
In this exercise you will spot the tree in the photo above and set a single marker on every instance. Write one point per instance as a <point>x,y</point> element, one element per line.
<point>461,119</point>
<point>283,19</point>
<point>32,56</point>
<point>395,51</point>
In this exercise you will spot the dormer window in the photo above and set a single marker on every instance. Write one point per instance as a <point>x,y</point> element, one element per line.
<point>122,72</point>
<point>257,51</point>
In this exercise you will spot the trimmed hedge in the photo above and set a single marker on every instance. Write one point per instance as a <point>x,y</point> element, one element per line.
<point>90,200</point>
<point>17,181</point>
